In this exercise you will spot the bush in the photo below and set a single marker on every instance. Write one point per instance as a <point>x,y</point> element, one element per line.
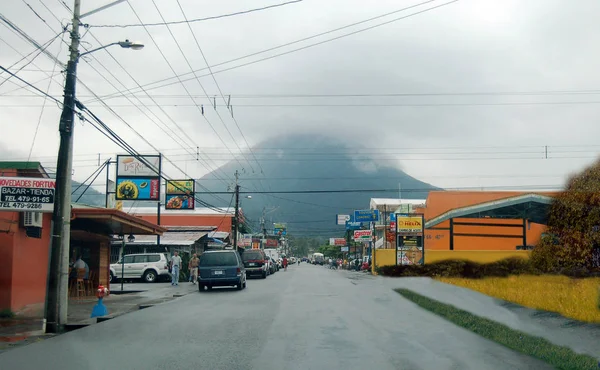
<point>573,223</point>
<point>462,268</point>
<point>6,314</point>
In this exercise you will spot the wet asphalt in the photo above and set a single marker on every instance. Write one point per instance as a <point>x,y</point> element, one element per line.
<point>308,317</point>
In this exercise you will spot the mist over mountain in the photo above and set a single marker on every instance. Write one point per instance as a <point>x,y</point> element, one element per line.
<point>312,162</point>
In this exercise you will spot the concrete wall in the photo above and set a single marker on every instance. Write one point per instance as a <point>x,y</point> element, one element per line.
<point>386,257</point>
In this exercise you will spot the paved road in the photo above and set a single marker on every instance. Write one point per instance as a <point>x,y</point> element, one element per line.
<point>306,318</point>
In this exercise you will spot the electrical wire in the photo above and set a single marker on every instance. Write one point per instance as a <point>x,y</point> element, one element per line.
<point>149,87</point>
<point>196,19</point>
<point>183,85</point>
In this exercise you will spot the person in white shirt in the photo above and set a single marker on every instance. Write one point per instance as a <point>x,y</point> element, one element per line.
<point>80,264</point>
<point>175,267</point>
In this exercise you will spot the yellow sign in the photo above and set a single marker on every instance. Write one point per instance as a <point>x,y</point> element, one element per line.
<point>119,205</point>
<point>409,224</point>
<point>180,186</point>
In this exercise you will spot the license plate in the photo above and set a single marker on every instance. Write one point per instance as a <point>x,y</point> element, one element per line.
<point>252,264</point>
<point>218,272</point>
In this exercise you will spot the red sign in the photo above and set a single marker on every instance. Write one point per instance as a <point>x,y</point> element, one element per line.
<point>271,243</point>
<point>393,225</point>
<point>362,235</point>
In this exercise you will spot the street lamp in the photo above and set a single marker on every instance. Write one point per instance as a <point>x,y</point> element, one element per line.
<point>57,289</point>
<point>124,44</point>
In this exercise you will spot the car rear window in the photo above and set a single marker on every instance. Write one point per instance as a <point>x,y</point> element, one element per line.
<point>252,256</point>
<point>218,259</point>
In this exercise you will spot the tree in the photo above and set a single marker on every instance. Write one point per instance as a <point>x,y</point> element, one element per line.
<point>573,225</point>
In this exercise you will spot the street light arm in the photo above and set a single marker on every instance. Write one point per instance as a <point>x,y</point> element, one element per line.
<point>96,49</point>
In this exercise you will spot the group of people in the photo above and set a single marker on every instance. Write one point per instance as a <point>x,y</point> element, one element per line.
<point>175,267</point>
<point>354,265</point>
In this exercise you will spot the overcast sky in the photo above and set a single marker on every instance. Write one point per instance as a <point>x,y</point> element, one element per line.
<point>459,57</point>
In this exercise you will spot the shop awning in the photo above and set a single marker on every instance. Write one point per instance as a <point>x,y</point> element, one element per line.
<point>533,207</point>
<point>111,222</point>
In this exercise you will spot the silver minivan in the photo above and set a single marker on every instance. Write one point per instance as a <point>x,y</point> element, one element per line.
<point>146,266</point>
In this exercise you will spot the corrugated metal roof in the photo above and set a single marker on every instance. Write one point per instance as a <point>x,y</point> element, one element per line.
<point>218,234</point>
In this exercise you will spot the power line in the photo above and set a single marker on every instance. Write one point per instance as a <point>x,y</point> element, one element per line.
<point>31,86</point>
<point>217,84</point>
<point>298,41</point>
<point>196,19</point>
<point>182,84</point>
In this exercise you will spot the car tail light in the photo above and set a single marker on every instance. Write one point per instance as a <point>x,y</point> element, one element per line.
<point>239,270</point>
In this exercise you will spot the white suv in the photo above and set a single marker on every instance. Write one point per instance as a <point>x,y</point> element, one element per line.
<point>147,266</point>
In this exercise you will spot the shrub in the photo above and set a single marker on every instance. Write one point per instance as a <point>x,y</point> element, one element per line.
<point>6,314</point>
<point>573,221</point>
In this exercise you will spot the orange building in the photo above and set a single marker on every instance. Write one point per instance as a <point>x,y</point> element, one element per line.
<point>483,220</point>
<point>24,250</point>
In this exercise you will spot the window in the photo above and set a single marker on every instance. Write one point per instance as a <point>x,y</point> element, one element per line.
<point>153,258</point>
<point>218,259</point>
<point>140,259</point>
<point>252,255</point>
<point>128,259</point>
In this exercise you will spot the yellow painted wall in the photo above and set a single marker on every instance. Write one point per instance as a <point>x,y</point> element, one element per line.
<point>386,257</point>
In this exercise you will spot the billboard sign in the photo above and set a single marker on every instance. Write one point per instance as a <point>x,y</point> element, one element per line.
<point>271,243</point>
<point>366,215</point>
<point>337,241</point>
<point>409,224</point>
<point>341,219</point>
<point>344,249</point>
<point>138,178</point>
<point>27,194</point>
<point>363,235</point>
<point>351,225</point>
<point>279,229</point>
<point>180,194</point>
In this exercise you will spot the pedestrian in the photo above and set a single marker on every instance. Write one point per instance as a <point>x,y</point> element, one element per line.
<point>80,264</point>
<point>285,263</point>
<point>194,261</point>
<point>175,266</point>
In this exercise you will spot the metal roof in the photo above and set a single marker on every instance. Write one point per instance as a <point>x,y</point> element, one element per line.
<point>533,207</point>
<point>218,234</point>
<point>171,238</point>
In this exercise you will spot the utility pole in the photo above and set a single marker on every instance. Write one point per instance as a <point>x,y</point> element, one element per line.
<point>57,288</point>
<point>237,211</point>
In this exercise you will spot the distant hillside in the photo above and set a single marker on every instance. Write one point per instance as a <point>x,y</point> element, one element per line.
<point>91,196</point>
<point>308,162</point>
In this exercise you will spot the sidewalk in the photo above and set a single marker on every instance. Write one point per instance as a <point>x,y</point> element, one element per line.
<point>18,331</point>
<point>581,337</point>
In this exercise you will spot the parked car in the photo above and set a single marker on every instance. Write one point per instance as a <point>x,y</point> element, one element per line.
<point>221,268</point>
<point>146,266</point>
<point>272,266</point>
<point>256,263</point>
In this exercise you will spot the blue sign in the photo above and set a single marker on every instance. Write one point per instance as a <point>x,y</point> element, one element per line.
<point>366,215</point>
<point>351,225</point>
<point>392,217</point>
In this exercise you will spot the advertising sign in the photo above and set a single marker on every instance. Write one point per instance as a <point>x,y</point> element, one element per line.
<point>138,189</point>
<point>410,256</point>
<point>344,249</point>
<point>138,178</point>
<point>337,241</point>
<point>341,219</point>
<point>130,166</point>
<point>180,194</point>
<point>366,215</point>
<point>351,225</point>
<point>271,243</point>
<point>409,224</point>
<point>26,194</point>
<point>393,225</point>
<point>279,229</point>
<point>363,235</point>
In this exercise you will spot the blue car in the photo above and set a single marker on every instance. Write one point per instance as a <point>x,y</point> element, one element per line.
<point>221,268</point>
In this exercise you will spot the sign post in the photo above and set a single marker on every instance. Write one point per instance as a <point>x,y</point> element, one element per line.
<point>410,239</point>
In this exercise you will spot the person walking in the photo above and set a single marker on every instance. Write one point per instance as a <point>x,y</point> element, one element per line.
<point>193,266</point>
<point>175,267</point>
<point>285,263</point>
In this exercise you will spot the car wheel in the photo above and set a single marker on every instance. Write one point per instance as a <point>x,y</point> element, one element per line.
<point>240,285</point>
<point>111,278</point>
<point>201,287</point>
<point>264,275</point>
<point>150,276</point>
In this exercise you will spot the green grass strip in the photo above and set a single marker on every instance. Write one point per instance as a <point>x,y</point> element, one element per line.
<point>557,356</point>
